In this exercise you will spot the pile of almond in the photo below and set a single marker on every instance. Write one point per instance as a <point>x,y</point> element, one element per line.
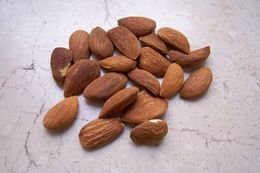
<point>145,56</point>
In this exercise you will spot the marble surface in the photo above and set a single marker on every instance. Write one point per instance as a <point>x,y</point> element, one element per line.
<point>217,133</point>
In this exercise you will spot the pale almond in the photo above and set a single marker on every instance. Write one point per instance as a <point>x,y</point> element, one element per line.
<point>153,41</point>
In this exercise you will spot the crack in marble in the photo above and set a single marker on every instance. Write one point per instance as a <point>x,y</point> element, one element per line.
<point>7,79</point>
<point>107,13</point>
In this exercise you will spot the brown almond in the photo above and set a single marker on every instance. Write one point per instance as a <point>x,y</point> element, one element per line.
<point>100,132</point>
<point>118,102</point>
<point>153,41</point>
<point>79,76</point>
<point>79,45</point>
<point>172,80</point>
<point>197,83</point>
<point>149,132</point>
<point>100,44</point>
<point>145,79</point>
<point>138,25</point>
<point>118,63</point>
<point>175,39</point>
<point>145,107</point>
<point>105,86</point>
<point>62,114</point>
<point>61,59</point>
<point>152,61</point>
<point>125,41</point>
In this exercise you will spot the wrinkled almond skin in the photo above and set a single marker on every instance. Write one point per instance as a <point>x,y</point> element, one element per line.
<point>61,59</point>
<point>145,79</point>
<point>62,114</point>
<point>197,83</point>
<point>175,39</point>
<point>79,76</point>
<point>118,102</point>
<point>100,44</point>
<point>79,44</point>
<point>192,59</point>
<point>172,81</point>
<point>118,63</point>
<point>153,41</point>
<point>149,132</point>
<point>152,61</point>
<point>100,132</point>
<point>125,41</point>
<point>145,107</point>
<point>105,86</point>
<point>138,25</point>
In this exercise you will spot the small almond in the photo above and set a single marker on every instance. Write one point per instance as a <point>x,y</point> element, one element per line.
<point>153,41</point>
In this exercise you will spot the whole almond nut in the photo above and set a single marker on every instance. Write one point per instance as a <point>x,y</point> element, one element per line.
<point>100,44</point>
<point>118,63</point>
<point>152,61</point>
<point>194,58</point>
<point>118,102</point>
<point>138,25</point>
<point>79,76</point>
<point>145,107</point>
<point>172,80</point>
<point>79,45</point>
<point>153,41</point>
<point>149,132</point>
<point>105,86</point>
<point>125,41</point>
<point>61,59</point>
<point>62,114</point>
<point>145,79</point>
<point>197,83</point>
<point>100,132</point>
<point>175,39</point>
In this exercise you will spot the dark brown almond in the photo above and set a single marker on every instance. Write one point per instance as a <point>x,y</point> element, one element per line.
<point>153,41</point>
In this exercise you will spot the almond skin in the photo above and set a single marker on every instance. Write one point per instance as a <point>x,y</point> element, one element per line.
<point>105,86</point>
<point>152,61</point>
<point>61,58</point>
<point>149,132</point>
<point>153,41</point>
<point>62,114</point>
<point>145,79</point>
<point>145,107</point>
<point>175,39</point>
<point>197,83</point>
<point>125,41</point>
<point>138,25</point>
<point>100,44</point>
<point>100,132</point>
<point>118,63</point>
<point>79,44</point>
<point>172,81</point>
<point>79,76</point>
<point>192,59</point>
<point>118,102</point>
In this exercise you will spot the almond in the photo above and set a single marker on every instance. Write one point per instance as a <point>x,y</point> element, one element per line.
<point>118,102</point>
<point>61,59</point>
<point>125,41</point>
<point>100,132</point>
<point>149,132</point>
<point>153,41</point>
<point>62,114</point>
<point>172,80</point>
<point>138,25</point>
<point>197,83</point>
<point>145,79</point>
<point>118,63</point>
<point>145,107</point>
<point>79,45</point>
<point>105,86</point>
<point>152,61</point>
<point>175,39</point>
<point>79,76</point>
<point>100,44</point>
<point>194,58</point>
